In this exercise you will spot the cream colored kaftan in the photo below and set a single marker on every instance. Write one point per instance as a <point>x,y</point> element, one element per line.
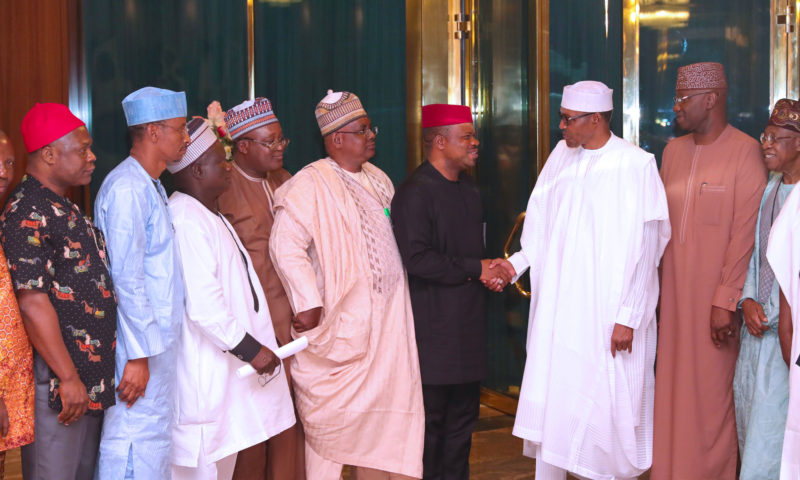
<point>357,386</point>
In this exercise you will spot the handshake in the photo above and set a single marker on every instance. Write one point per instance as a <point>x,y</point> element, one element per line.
<point>497,273</point>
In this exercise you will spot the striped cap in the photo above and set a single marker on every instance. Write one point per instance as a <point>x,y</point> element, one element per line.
<point>248,116</point>
<point>202,138</point>
<point>338,109</point>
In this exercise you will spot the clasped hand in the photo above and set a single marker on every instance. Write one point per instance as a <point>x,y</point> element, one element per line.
<point>496,274</point>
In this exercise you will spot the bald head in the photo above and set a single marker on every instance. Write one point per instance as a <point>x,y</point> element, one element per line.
<point>6,163</point>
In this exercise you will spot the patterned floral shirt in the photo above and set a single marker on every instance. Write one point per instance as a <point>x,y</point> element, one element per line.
<point>53,247</point>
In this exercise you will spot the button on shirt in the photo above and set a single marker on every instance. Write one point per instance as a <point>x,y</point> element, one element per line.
<point>54,248</point>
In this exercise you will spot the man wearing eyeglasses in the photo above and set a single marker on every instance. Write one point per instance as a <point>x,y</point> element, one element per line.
<point>257,171</point>
<point>131,210</point>
<point>761,382</point>
<point>714,178</point>
<point>595,228</point>
<point>357,386</point>
<point>226,323</point>
<point>783,256</point>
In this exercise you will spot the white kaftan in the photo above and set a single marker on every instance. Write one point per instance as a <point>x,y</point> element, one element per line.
<point>216,411</point>
<point>596,226</point>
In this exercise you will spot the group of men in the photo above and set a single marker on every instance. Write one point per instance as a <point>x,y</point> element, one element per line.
<point>141,320</point>
<point>599,223</point>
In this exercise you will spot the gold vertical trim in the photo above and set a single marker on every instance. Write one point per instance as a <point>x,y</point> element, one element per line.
<point>474,97</point>
<point>630,71</point>
<point>413,84</point>
<point>542,95</point>
<point>251,50</point>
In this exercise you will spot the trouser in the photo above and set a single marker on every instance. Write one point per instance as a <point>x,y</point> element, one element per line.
<point>222,469</point>
<point>275,459</point>
<point>451,412</point>
<point>319,468</point>
<point>59,451</point>
<point>279,458</point>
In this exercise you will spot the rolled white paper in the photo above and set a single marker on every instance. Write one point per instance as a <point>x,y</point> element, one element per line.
<point>283,353</point>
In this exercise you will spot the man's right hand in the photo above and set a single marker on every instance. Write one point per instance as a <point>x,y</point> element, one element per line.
<point>134,380</point>
<point>307,320</point>
<point>265,361</point>
<point>74,399</point>
<point>754,318</point>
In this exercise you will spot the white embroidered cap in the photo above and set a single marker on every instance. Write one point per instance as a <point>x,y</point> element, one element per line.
<point>588,96</point>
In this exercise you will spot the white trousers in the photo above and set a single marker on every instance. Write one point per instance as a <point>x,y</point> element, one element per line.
<point>220,470</point>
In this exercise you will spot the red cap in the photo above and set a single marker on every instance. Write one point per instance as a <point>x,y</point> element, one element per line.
<point>441,114</point>
<point>45,123</point>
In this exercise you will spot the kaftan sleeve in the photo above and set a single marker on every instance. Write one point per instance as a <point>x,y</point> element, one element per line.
<point>634,300</point>
<point>414,231</point>
<point>124,212</point>
<point>206,305</point>
<point>749,290</point>
<point>289,245</point>
<point>748,190</point>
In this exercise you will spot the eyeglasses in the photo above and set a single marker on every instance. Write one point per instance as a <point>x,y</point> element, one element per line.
<point>679,100</point>
<point>567,119</point>
<point>770,138</point>
<point>182,130</point>
<point>264,379</point>
<point>363,131</point>
<point>283,142</point>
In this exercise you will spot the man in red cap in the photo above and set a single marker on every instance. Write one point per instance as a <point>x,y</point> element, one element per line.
<point>57,260</point>
<point>438,224</point>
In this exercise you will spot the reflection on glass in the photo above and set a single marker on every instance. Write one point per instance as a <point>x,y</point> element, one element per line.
<point>506,167</point>
<point>673,33</point>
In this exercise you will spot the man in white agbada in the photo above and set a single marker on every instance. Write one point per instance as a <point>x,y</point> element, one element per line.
<point>596,226</point>
<point>226,323</point>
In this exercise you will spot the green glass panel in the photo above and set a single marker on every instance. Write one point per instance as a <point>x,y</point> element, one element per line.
<point>196,46</point>
<point>506,168</point>
<point>304,48</point>
<point>585,44</point>
<point>733,32</point>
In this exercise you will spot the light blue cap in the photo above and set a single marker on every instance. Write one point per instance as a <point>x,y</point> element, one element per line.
<point>151,104</point>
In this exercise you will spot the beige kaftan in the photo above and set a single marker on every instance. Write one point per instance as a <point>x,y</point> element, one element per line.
<point>713,193</point>
<point>357,386</point>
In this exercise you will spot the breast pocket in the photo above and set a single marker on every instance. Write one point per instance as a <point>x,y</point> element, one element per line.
<point>709,203</point>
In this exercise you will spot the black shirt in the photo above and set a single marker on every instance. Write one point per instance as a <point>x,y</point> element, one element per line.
<point>53,247</point>
<point>439,229</point>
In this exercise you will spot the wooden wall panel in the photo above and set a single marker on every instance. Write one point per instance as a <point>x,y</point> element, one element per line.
<point>35,55</point>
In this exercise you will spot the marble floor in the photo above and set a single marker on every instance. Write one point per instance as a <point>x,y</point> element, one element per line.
<point>496,454</point>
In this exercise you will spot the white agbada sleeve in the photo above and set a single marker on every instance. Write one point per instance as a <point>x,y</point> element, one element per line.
<point>634,299</point>
<point>783,254</point>
<point>206,305</point>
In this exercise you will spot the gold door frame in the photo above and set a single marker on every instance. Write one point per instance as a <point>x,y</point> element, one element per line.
<point>447,59</point>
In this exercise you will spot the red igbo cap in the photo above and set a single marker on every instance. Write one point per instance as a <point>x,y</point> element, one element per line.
<point>441,114</point>
<point>45,123</point>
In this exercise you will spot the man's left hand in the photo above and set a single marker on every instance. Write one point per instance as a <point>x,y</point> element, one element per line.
<point>723,326</point>
<point>621,339</point>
